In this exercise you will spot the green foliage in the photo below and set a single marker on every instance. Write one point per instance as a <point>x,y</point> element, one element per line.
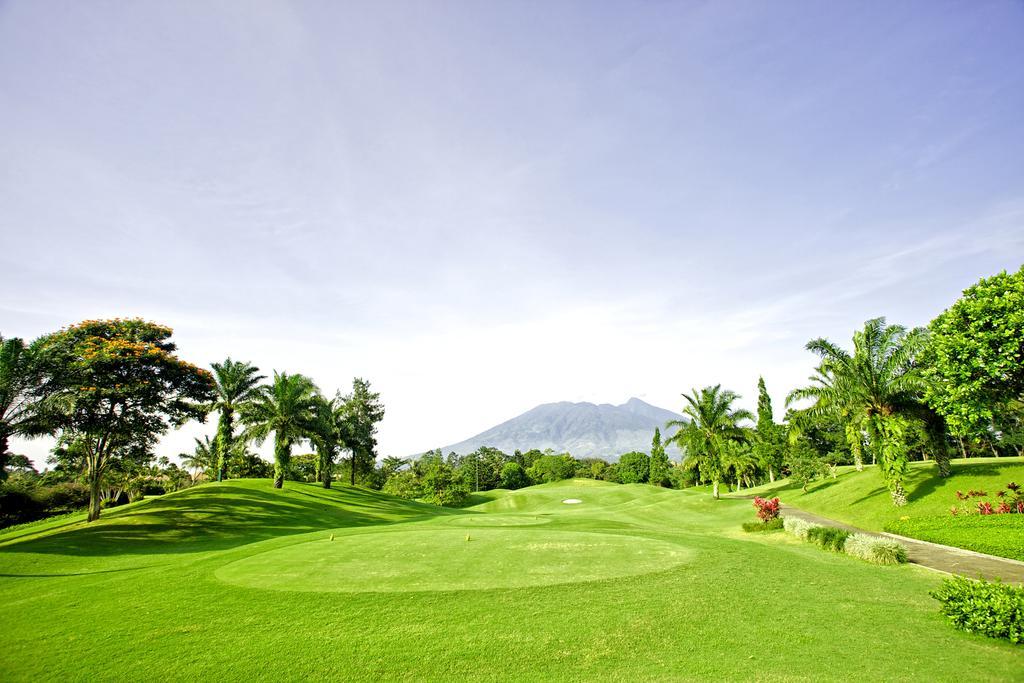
<point>20,382</point>
<point>549,468</point>
<point>113,387</point>
<point>873,390</point>
<point>21,502</point>
<point>363,411</point>
<point>768,444</point>
<point>442,486</point>
<point>661,467</point>
<point>976,354</point>
<point>992,609</point>
<point>404,484</point>
<point>712,422</point>
<point>286,409</point>
<point>771,525</point>
<point>828,537</point>
<point>874,549</point>
<point>234,384</point>
<point>634,468</point>
<point>805,463</point>
<point>513,476</point>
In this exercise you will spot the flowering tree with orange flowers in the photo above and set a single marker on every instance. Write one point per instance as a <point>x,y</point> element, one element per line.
<point>112,387</point>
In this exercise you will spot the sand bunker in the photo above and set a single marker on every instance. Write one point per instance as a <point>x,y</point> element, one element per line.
<point>572,501</point>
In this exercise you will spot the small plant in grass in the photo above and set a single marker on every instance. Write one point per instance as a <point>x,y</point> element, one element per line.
<point>767,509</point>
<point>992,609</point>
<point>874,549</point>
<point>828,537</point>
<point>772,525</point>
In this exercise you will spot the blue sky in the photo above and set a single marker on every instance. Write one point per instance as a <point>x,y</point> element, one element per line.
<point>485,206</point>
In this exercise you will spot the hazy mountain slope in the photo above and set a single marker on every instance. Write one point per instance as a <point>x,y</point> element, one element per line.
<point>582,429</point>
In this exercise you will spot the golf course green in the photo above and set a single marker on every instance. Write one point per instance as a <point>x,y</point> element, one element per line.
<point>239,581</point>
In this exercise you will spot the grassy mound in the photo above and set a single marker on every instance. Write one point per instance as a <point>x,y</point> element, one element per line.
<point>862,499</point>
<point>240,581</point>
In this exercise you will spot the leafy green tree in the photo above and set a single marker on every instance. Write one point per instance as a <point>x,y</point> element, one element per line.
<point>513,476</point>
<point>442,486</point>
<point>285,409</point>
<point>713,421</point>
<point>875,390</point>
<point>551,467</point>
<point>976,354</point>
<point>113,387</point>
<point>235,383</point>
<point>634,468</point>
<point>403,484</point>
<point>804,462</point>
<point>362,410</point>
<point>768,440</point>
<point>20,381</point>
<point>660,465</point>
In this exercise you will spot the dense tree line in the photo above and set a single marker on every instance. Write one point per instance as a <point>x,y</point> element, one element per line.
<point>108,389</point>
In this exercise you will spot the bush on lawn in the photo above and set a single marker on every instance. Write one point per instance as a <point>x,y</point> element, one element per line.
<point>828,537</point>
<point>773,525</point>
<point>874,549</point>
<point>798,527</point>
<point>767,509</point>
<point>992,609</point>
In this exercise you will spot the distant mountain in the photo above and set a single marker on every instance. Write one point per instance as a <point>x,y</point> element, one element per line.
<point>582,429</point>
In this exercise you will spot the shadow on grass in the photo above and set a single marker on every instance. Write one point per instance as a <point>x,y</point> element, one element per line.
<point>220,517</point>
<point>51,576</point>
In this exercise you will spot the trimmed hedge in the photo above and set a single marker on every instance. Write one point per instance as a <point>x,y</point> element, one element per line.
<point>870,548</point>
<point>992,609</point>
<point>774,524</point>
<point>874,549</point>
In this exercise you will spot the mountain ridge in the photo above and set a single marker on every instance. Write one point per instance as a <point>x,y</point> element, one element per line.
<point>583,429</point>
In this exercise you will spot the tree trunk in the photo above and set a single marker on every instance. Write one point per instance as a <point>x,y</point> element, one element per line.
<point>353,468</point>
<point>278,476</point>
<point>3,457</point>
<point>714,486</point>
<point>942,460</point>
<point>899,495</point>
<point>94,496</point>
<point>963,451</point>
<point>771,474</point>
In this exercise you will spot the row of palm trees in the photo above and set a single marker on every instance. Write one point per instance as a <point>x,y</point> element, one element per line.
<point>876,392</point>
<point>292,409</point>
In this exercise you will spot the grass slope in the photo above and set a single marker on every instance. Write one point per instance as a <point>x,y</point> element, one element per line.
<point>237,581</point>
<point>862,499</point>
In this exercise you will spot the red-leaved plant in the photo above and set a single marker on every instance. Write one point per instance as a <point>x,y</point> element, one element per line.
<point>767,510</point>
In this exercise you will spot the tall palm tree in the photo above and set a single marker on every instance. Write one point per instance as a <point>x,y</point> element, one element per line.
<point>712,423</point>
<point>19,379</point>
<point>286,408</point>
<point>876,391</point>
<point>236,383</point>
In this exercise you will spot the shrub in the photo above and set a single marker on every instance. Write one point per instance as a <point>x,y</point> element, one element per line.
<point>874,549</point>
<point>798,527</point>
<point>992,609</point>
<point>767,510</point>
<point>771,525</point>
<point>828,537</point>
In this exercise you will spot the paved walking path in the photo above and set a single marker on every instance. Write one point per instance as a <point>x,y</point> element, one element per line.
<point>942,557</point>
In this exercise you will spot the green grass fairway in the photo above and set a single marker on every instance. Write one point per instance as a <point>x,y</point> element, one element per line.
<point>237,581</point>
<point>861,499</point>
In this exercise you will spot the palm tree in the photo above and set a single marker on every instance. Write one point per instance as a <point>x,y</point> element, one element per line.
<point>236,383</point>
<point>201,459</point>
<point>712,423</point>
<point>876,391</point>
<point>19,379</point>
<point>285,408</point>
<point>329,433</point>
<point>738,459</point>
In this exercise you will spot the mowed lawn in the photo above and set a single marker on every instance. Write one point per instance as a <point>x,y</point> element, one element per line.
<point>237,581</point>
<point>862,499</point>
